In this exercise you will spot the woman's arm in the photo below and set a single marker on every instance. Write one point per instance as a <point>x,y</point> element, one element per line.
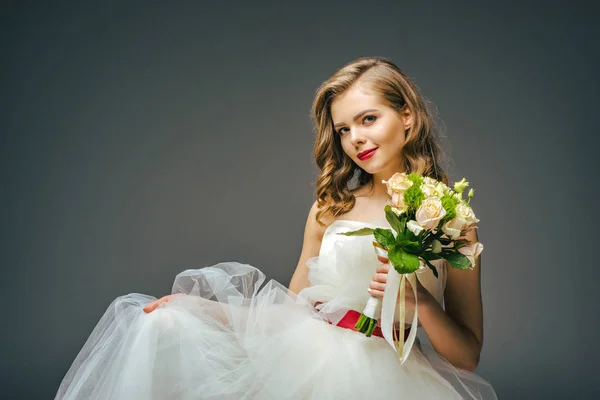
<point>313,235</point>
<point>457,333</point>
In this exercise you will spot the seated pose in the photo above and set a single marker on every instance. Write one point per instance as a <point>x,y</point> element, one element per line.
<point>221,334</point>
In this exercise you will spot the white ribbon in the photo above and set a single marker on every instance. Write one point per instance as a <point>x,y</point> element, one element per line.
<point>396,282</point>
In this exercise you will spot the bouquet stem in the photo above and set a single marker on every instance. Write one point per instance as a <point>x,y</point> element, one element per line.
<point>367,322</point>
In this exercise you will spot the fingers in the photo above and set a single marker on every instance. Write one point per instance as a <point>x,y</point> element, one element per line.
<point>384,268</point>
<point>382,259</point>
<point>165,299</point>
<point>375,292</point>
<point>377,286</point>
<point>380,277</point>
<point>153,305</point>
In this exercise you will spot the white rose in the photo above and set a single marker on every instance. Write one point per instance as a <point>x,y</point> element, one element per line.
<point>414,226</point>
<point>428,190</point>
<point>398,183</point>
<point>440,189</point>
<point>430,212</point>
<point>427,180</point>
<point>431,187</point>
<point>397,200</point>
<point>464,212</point>
<point>471,251</point>
<point>398,211</point>
<point>453,228</point>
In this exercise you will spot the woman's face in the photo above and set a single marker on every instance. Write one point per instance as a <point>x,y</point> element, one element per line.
<point>364,121</point>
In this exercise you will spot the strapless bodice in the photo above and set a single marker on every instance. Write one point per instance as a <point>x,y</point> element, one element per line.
<point>340,275</point>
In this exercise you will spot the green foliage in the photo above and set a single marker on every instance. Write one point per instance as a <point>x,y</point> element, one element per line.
<point>366,325</point>
<point>449,203</point>
<point>413,197</point>
<point>430,265</point>
<point>458,260</point>
<point>411,261</point>
<point>393,219</point>
<point>395,257</point>
<point>360,232</point>
<point>409,245</point>
<point>430,256</point>
<point>460,243</point>
<point>402,261</point>
<point>385,237</point>
<point>415,178</point>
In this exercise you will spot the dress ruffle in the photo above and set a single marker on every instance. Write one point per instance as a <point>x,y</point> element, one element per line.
<point>228,338</point>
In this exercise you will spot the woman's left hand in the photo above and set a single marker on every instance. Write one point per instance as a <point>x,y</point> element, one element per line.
<point>377,286</point>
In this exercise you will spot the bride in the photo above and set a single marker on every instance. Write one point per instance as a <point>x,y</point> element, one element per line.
<point>220,335</point>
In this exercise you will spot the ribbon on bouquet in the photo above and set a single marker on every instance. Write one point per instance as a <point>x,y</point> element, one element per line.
<point>395,283</point>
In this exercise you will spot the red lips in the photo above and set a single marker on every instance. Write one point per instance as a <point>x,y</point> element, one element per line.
<point>366,153</point>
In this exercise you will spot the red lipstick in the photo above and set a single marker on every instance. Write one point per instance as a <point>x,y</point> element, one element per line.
<point>363,155</point>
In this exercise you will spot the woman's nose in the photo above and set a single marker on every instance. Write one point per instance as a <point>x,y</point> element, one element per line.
<point>356,136</point>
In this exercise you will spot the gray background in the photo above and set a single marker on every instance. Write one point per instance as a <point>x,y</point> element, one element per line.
<point>139,139</point>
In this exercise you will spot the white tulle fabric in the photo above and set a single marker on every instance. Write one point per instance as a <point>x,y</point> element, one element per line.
<point>231,339</point>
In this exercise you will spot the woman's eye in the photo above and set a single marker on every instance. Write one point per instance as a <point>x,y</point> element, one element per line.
<point>370,116</point>
<point>373,118</point>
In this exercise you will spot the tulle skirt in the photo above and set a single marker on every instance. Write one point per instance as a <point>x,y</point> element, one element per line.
<point>229,339</point>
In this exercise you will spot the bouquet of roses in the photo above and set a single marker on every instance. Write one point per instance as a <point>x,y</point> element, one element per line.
<point>427,219</point>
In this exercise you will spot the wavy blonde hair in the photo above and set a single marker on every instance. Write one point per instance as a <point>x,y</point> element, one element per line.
<point>421,151</point>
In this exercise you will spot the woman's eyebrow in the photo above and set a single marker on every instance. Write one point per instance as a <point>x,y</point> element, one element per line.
<point>357,116</point>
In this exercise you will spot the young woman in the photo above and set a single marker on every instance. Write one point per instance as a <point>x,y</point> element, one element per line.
<point>219,336</point>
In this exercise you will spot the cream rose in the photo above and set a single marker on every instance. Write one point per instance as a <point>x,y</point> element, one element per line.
<point>464,212</point>
<point>398,183</point>
<point>430,212</point>
<point>428,190</point>
<point>431,187</point>
<point>398,211</point>
<point>414,226</point>
<point>471,251</point>
<point>397,201</point>
<point>441,188</point>
<point>454,227</point>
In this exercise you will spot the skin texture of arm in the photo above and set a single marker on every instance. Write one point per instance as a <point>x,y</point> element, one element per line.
<point>456,333</point>
<point>313,235</point>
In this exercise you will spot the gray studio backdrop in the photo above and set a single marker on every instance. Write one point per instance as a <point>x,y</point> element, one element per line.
<point>139,139</point>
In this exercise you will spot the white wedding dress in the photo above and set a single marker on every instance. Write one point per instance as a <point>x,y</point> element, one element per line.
<point>231,339</point>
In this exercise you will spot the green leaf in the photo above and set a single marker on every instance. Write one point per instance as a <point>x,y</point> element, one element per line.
<point>360,232</point>
<point>411,261</point>
<point>393,219</point>
<point>461,243</point>
<point>429,256</point>
<point>431,266</point>
<point>411,236</point>
<point>445,241</point>
<point>409,245</point>
<point>395,257</point>
<point>401,236</point>
<point>384,236</point>
<point>458,260</point>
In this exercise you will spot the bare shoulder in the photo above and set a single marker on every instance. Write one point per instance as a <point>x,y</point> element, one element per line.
<point>311,244</point>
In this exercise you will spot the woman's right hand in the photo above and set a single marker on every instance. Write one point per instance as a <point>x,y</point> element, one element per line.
<point>165,299</point>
